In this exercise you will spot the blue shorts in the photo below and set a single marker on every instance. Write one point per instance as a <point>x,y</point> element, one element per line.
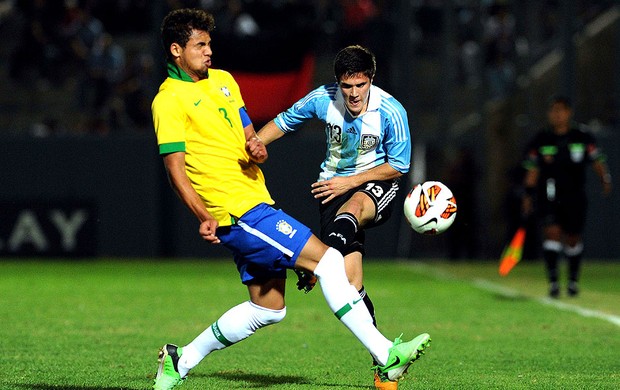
<point>265,242</point>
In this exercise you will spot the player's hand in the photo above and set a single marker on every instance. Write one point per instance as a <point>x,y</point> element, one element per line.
<point>305,280</point>
<point>607,187</point>
<point>207,231</point>
<point>527,206</point>
<point>329,189</point>
<point>256,149</point>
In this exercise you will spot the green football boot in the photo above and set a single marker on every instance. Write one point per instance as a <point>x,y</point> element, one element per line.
<point>401,356</point>
<point>168,376</point>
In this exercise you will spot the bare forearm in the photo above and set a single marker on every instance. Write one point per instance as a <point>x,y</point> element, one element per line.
<point>381,172</point>
<point>175,168</point>
<point>270,132</point>
<point>190,199</point>
<point>603,173</point>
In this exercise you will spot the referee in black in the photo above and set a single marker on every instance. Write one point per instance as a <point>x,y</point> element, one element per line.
<point>555,163</point>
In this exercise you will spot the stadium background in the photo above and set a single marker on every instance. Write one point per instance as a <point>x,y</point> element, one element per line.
<point>80,171</point>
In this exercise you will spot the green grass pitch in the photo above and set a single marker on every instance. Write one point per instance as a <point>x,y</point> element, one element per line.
<point>97,324</point>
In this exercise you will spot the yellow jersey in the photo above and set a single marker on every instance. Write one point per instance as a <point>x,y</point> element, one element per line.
<point>202,119</point>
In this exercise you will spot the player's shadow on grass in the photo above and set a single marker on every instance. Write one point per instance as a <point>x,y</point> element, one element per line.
<point>261,381</point>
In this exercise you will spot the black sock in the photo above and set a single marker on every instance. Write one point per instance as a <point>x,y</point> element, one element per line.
<point>369,305</point>
<point>371,310</point>
<point>574,266</point>
<point>551,263</point>
<point>342,232</point>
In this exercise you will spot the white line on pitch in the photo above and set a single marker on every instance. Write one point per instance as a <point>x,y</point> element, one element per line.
<point>582,311</point>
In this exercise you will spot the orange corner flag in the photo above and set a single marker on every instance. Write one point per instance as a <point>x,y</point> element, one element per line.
<point>512,253</point>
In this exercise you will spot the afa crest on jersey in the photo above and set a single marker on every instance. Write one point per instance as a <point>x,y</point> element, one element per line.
<point>369,142</point>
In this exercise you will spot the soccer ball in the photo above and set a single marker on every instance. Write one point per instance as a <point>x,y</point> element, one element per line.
<point>430,208</point>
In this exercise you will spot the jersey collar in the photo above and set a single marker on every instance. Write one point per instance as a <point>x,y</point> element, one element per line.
<point>177,73</point>
<point>374,100</point>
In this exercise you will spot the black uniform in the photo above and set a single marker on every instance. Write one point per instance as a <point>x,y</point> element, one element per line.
<point>562,161</point>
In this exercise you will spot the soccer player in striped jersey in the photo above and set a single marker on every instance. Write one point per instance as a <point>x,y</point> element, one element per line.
<point>211,151</point>
<point>368,150</point>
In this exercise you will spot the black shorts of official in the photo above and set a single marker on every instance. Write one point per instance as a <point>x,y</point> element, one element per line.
<point>569,212</point>
<point>382,193</point>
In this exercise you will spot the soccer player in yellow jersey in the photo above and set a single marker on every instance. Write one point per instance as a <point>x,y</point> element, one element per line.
<point>211,151</point>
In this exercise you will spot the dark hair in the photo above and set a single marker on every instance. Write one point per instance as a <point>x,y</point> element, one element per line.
<point>563,100</point>
<point>353,60</point>
<point>177,26</point>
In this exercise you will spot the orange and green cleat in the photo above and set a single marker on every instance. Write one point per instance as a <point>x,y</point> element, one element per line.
<point>383,383</point>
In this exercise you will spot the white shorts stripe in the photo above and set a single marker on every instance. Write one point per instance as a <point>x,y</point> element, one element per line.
<point>265,238</point>
<point>387,198</point>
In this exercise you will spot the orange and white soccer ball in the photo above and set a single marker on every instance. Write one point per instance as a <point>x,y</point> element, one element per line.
<point>430,208</point>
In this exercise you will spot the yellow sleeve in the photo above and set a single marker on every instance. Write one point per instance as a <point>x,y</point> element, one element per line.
<point>170,122</point>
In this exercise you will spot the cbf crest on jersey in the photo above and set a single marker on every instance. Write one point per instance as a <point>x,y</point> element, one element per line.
<point>225,91</point>
<point>285,228</point>
<point>369,142</point>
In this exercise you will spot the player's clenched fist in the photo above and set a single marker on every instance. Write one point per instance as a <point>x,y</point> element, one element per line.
<point>256,149</point>
<point>207,231</point>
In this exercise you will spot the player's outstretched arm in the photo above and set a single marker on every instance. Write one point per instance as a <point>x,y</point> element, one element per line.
<point>254,145</point>
<point>270,132</point>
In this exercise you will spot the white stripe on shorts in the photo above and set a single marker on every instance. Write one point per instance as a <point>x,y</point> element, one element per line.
<point>387,198</point>
<point>265,238</point>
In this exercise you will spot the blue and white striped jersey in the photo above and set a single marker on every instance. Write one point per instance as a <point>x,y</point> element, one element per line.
<point>354,144</point>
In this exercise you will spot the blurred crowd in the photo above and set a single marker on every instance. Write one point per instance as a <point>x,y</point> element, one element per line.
<point>496,39</point>
<point>103,52</point>
<point>73,46</point>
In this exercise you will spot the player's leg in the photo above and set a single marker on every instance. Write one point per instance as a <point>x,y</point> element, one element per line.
<point>369,204</point>
<point>265,307</point>
<point>346,235</point>
<point>573,222</point>
<point>552,248</point>
<point>343,224</point>
<point>573,252</point>
<point>342,221</point>
<point>342,297</point>
<point>344,301</point>
<point>266,287</point>
<point>355,273</point>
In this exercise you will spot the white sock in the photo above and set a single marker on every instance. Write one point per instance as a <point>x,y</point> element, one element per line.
<point>345,301</point>
<point>236,324</point>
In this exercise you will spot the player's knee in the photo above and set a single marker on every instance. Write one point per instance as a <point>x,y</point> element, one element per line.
<point>353,206</point>
<point>360,206</point>
<point>552,246</point>
<point>574,249</point>
<point>331,262</point>
<point>263,317</point>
